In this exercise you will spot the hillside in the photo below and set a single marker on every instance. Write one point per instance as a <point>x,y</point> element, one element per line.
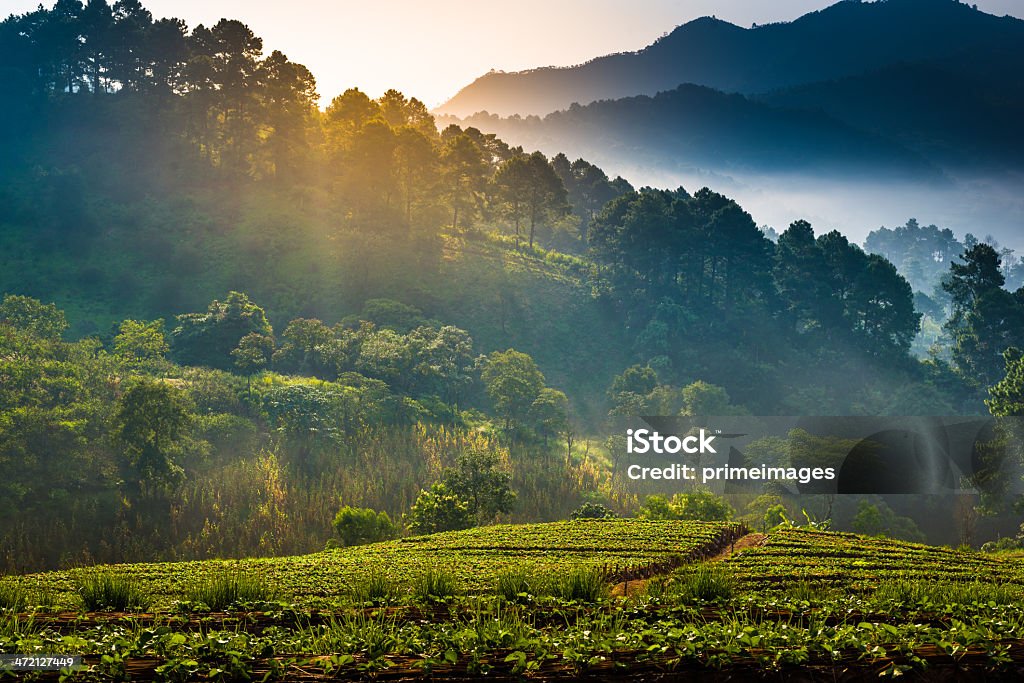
<point>846,39</point>
<point>794,602</point>
<point>693,127</point>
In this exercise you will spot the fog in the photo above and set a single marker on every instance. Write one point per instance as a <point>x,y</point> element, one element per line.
<point>979,205</point>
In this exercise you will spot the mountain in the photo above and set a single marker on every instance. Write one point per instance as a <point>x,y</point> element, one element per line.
<point>694,127</point>
<point>847,39</point>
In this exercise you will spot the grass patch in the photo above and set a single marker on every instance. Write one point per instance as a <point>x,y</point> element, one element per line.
<point>436,585</point>
<point>585,584</point>
<point>517,584</point>
<point>105,591</point>
<point>231,590</point>
<point>13,598</point>
<point>376,588</point>
<point>705,582</point>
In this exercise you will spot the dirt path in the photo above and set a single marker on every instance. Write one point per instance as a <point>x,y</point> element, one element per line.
<point>630,588</point>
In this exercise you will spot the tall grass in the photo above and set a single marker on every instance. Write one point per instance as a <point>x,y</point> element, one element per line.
<point>100,591</point>
<point>911,590</point>
<point>436,585</point>
<point>518,583</point>
<point>585,584</point>
<point>13,597</point>
<point>704,582</point>
<point>232,589</point>
<point>378,589</point>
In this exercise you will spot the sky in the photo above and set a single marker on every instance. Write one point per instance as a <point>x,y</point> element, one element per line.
<point>430,49</point>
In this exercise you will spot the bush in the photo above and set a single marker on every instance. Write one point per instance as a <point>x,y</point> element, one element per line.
<point>231,590</point>
<point>700,505</point>
<point>359,526</point>
<point>592,511</point>
<point>102,591</point>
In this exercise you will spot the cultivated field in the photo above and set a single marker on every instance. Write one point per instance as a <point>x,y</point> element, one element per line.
<point>601,599</point>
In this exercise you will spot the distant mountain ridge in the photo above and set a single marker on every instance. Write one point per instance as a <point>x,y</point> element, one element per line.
<point>847,39</point>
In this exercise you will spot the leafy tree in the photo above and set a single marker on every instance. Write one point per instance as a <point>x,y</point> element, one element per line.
<point>209,338</point>
<point>986,319</point>
<point>252,354</point>
<point>359,526</point>
<point>549,413</point>
<point>1007,396</point>
<point>302,346</point>
<point>880,520</point>
<point>138,341</point>
<point>513,382</point>
<point>33,316</point>
<point>703,399</point>
<point>479,479</point>
<point>439,509</point>
<point>152,417</point>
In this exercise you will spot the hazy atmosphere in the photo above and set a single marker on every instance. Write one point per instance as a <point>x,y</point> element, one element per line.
<point>466,37</point>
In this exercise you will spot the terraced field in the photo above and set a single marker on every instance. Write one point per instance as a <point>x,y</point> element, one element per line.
<point>474,557</point>
<point>533,602</point>
<point>857,563</point>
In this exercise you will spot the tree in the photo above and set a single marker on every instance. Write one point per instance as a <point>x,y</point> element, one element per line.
<point>209,338</point>
<point>252,355</point>
<point>1007,396</point>
<point>986,319</point>
<point>549,413</point>
<point>530,188</point>
<point>479,479</point>
<point>702,399</point>
<point>33,316</point>
<point>152,417</point>
<point>513,382</point>
<point>139,341</point>
<point>438,509</point>
<point>880,520</point>
<point>359,526</point>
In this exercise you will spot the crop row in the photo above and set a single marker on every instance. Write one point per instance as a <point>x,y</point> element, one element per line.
<point>858,562</point>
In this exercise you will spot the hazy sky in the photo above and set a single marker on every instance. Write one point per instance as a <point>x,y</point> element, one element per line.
<point>430,49</point>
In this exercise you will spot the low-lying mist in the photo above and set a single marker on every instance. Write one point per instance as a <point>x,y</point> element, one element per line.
<point>981,205</point>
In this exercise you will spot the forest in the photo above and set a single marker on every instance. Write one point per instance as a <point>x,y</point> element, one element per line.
<point>236,320</point>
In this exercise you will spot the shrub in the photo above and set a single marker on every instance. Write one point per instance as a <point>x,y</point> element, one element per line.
<point>701,505</point>
<point>592,511</point>
<point>220,592</point>
<point>107,591</point>
<point>359,526</point>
